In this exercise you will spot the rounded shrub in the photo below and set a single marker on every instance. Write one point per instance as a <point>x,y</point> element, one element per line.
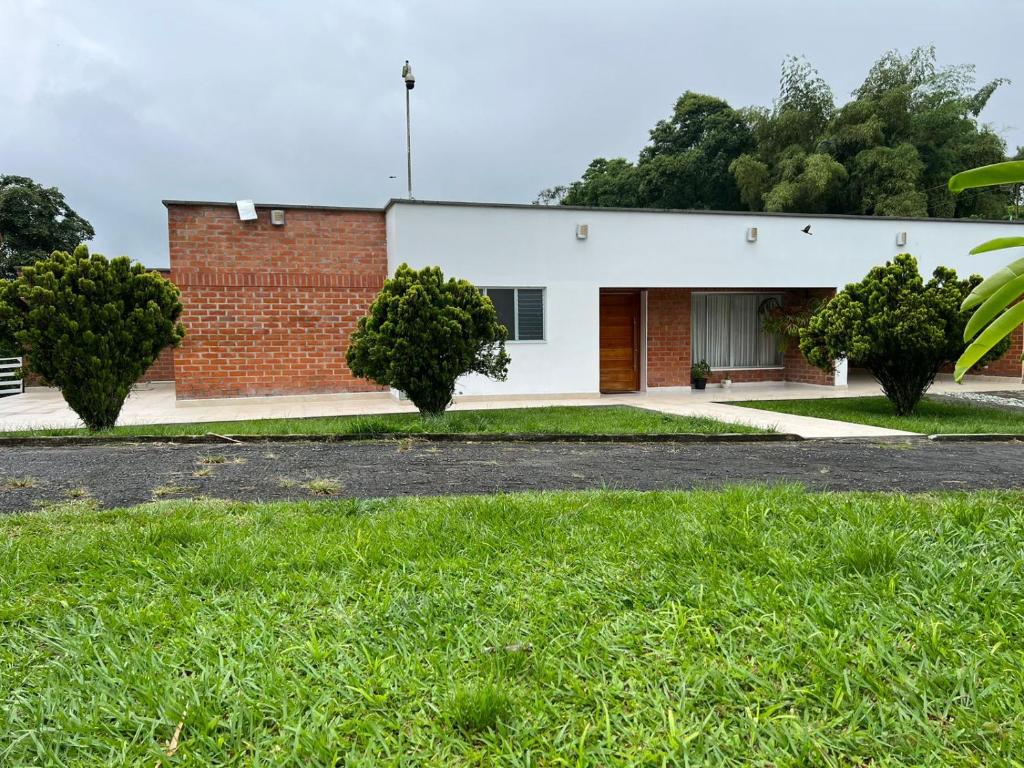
<point>900,328</point>
<point>90,326</point>
<point>423,332</point>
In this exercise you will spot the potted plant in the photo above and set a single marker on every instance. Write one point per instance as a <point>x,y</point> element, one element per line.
<point>699,373</point>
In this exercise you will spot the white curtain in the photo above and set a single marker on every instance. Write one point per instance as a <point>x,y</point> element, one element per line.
<point>728,331</point>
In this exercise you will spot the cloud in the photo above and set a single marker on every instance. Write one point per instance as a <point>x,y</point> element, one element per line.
<point>121,104</point>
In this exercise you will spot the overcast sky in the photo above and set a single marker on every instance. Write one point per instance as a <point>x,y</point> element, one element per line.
<point>122,104</point>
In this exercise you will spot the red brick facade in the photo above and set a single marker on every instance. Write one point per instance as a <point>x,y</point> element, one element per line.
<point>669,351</point>
<point>797,369</point>
<point>269,310</point>
<point>668,337</point>
<point>162,368</point>
<point>1010,363</point>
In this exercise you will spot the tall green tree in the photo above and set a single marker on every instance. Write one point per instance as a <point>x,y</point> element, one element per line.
<point>685,165</point>
<point>35,221</point>
<point>885,152</point>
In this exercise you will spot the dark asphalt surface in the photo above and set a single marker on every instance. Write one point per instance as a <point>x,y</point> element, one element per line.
<point>128,474</point>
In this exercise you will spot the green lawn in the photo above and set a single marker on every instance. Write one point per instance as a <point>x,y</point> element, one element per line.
<point>932,416</point>
<point>606,419</point>
<point>744,627</point>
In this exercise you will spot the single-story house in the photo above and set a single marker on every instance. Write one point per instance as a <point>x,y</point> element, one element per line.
<point>595,300</point>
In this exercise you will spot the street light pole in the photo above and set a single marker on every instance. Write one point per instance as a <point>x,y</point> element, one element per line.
<point>410,83</point>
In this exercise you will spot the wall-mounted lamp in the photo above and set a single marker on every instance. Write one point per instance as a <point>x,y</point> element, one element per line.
<point>582,230</point>
<point>901,239</point>
<point>277,217</point>
<point>752,234</point>
<point>246,210</point>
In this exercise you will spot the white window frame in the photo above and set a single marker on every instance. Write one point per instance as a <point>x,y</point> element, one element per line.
<point>766,294</point>
<point>515,309</point>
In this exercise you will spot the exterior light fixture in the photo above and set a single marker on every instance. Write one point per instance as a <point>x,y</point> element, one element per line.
<point>246,210</point>
<point>751,234</point>
<point>410,83</point>
<point>901,239</point>
<point>582,230</point>
<point>277,217</point>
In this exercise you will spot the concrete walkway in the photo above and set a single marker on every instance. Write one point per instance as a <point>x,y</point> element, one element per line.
<point>805,426</point>
<point>42,408</point>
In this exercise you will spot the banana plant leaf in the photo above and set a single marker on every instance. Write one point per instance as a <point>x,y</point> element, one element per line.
<point>993,305</point>
<point>993,283</point>
<point>997,244</point>
<point>1011,172</point>
<point>991,336</point>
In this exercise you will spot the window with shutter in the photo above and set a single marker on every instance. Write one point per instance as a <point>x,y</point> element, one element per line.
<point>520,310</point>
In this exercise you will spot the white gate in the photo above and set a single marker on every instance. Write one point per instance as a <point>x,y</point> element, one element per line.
<point>11,382</point>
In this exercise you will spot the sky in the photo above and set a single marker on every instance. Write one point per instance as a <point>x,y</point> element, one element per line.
<point>123,104</point>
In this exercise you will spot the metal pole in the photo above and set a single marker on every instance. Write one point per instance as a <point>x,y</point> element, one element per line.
<point>408,144</point>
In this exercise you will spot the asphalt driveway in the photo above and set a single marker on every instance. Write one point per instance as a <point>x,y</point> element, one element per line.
<point>127,474</point>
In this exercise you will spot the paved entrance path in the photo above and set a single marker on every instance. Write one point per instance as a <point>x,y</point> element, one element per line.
<point>117,475</point>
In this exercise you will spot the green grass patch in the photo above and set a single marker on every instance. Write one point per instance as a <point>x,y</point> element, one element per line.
<point>933,416</point>
<point>590,420</point>
<point>749,626</point>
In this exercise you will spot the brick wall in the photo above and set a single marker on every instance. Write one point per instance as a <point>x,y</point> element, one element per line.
<point>797,369</point>
<point>1009,364</point>
<point>268,310</point>
<point>162,368</point>
<point>668,337</point>
<point>669,342</point>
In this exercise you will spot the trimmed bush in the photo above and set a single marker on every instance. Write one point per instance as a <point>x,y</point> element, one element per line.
<point>90,326</point>
<point>422,333</point>
<point>900,328</point>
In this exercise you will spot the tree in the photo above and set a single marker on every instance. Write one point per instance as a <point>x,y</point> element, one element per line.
<point>606,183</point>
<point>90,326</point>
<point>999,309</point>
<point>905,130</point>
<point>900,328</point>
<point>685,165</point>
<point>552,195</point>
<point>35,221</point>
<point>886,152</point>
<point>422,333</point>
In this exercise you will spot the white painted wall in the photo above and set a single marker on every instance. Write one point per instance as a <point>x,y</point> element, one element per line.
<point>536,246</point>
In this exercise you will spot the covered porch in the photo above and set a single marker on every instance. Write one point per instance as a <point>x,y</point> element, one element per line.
<point>650,337</point>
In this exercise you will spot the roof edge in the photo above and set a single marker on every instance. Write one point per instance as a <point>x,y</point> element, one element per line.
<point>688,211</point>
<point>581,208</point>
<point>287,206</point>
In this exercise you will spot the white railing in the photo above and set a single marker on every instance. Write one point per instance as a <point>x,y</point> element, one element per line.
<point>11,382</point>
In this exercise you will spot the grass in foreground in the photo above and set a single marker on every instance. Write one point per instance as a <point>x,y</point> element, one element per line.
<point>605,419</point>
<point>744,627</point>
<point>932,416</point>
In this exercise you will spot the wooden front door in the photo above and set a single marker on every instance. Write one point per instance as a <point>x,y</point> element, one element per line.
<point>620,341</point>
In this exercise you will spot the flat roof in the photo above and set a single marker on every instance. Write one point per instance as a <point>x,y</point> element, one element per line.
<point>685,211</point>
<point>289,206</point>
<point>584,208</point>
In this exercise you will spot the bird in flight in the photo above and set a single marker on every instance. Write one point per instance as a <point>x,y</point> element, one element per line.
<point>807,230</point>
